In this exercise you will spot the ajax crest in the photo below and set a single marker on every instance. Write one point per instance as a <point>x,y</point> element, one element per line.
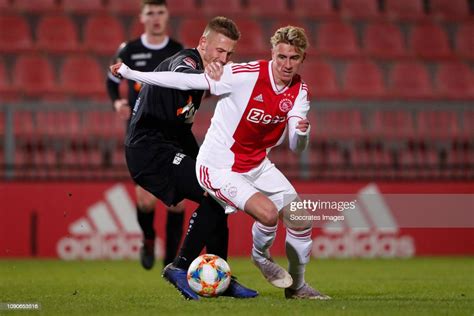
<point>286,105</point>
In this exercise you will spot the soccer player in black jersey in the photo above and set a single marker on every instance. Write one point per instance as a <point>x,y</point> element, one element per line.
<point>161,150</point>
<point>145,53</point>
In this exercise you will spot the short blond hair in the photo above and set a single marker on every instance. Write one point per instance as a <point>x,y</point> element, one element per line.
<point>224,26</point>
<point>292,35</point>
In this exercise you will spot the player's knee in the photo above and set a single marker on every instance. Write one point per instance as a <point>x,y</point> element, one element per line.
<point>262,209</point>
<point>269,220</point>
<point>145,200</point>
<point>269,217</point>
<point>146,205</point>
<point>296,219</point>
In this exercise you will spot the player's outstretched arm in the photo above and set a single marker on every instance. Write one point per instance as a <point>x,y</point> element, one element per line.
<point>166,79</point>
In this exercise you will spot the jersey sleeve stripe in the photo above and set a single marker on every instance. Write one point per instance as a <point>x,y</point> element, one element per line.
<point>248,68</point>
<point>245,67</point>
<point>240,71</point>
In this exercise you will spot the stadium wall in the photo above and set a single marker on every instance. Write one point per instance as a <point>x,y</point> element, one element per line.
<point>96,220</point>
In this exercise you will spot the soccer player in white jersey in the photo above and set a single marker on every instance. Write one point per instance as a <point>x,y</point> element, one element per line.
<point>258,102</point>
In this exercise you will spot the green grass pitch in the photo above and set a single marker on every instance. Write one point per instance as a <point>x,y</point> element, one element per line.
<point>421,286</point>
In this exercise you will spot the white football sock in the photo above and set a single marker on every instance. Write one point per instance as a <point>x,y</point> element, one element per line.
<point>263,237</point>
<point>298,249</point>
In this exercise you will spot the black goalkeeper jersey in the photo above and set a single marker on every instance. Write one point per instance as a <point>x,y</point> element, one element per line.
<point>143,57</point>
<point>163,115</point>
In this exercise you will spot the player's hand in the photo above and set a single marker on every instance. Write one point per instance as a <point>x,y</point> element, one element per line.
<point>122,108</point>
<point>214,70</point>
<point>114,70</point>
<point>302,125</point>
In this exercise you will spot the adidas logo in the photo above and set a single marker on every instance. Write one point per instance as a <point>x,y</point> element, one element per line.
<point>108,231</point>
<point>368,231</point>
<point>259,98</point>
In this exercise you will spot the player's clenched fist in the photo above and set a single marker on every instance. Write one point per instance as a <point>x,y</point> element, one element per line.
<point>303,125</point>
<point>114,69</point>
<point>214,70</point>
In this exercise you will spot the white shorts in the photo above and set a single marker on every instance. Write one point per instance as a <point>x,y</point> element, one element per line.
<point>232,189</point>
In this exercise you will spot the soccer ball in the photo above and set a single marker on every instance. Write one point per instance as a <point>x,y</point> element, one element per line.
<point>209,275</point>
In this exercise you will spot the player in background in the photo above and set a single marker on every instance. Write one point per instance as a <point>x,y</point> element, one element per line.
<point>258,102</point>
<point>145,53</point>
<point>161,149</point>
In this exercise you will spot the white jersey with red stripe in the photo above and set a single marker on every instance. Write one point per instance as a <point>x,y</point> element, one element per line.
<point>251,116</point>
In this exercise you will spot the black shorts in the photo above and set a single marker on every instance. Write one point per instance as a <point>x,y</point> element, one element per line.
<point>163,170</point>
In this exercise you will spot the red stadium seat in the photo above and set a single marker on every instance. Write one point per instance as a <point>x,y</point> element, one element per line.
<point>42,158</point>
<point>393,124</point>
<point>465,40</point>
<point>5,5</point>
<point>284,158</point>
<point>441,125</point>
<point>127,7</point>
<point>2,127</point>
<point>405,9</point>
<point>103,34</point>
<point>460,156</point>
<point>468,126</point>
<point>383,40</point>
<point>34,76</point>
<point>252,44</point>
<point>359,9</point>
<point>7,91</point>
<point>191,30</point>
<point>454,80</point>
<point>83,6</point>
<point>410,80</point>
<point>82,76</point>
<point>57,34</point>
<point>23,125</point>
<point>337,39</point>
<point>182,7</point>
<point>15,34</point>
<point>313,8</point>
<point>137,29</point>
<point>428,40</point>
<point>450,9</point>
<point>118,157</point>
<point>321,79</point>
<point>35,5</point>
<point>219,7</point>
<point>289,20</point>
<point>338,124</point>
<point>270,8</point>
<point>363,79</point>
<point>57,124</point>
<point>104,125</point>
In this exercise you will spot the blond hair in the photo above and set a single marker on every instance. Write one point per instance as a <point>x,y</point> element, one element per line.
<point>224,26</point>
<point>292,35</point>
